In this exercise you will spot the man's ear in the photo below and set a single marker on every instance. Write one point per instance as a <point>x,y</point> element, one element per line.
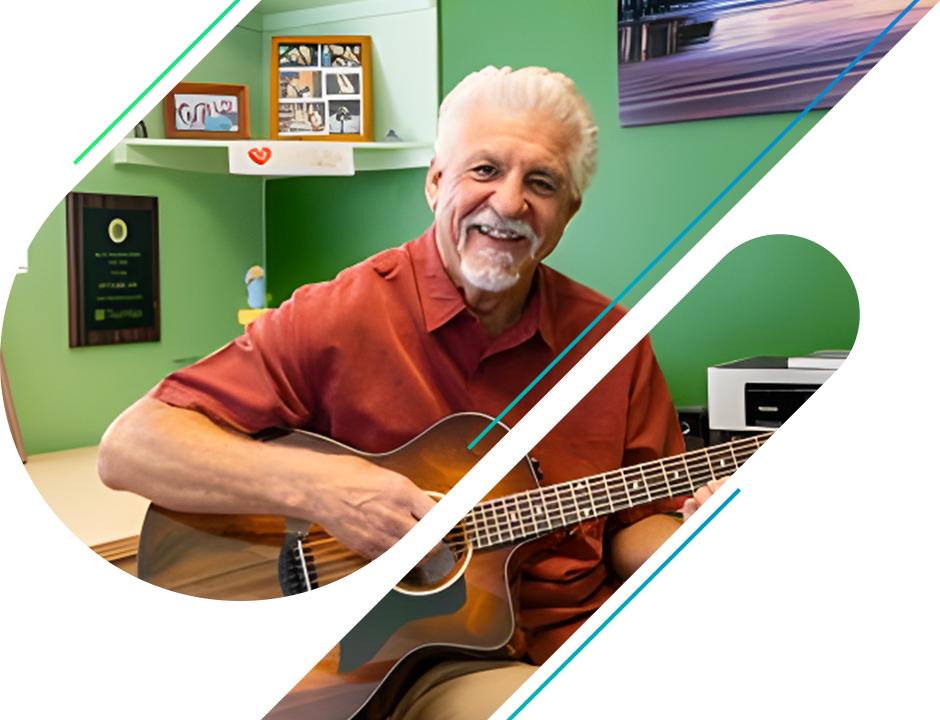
<point>573,208</point>
<point>432,184</point>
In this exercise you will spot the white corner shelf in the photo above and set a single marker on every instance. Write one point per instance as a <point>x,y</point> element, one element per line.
<point>211,156</point>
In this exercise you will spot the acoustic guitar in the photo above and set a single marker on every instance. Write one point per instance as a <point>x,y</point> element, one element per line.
<point>456,605</point>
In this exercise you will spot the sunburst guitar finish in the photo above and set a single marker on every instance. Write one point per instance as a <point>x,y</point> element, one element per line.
<point>251,618</point>
<point>229,626</point>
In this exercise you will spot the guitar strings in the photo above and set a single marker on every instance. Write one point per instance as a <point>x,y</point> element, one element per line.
<point>555,505</point>
<point>495,522</point>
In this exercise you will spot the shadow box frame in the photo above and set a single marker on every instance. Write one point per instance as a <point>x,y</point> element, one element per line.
<point>221,89</point>
<point>366,133</point>
<point>15,451</point>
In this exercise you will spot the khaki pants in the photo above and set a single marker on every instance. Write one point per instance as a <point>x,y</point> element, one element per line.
<point>674,674</point>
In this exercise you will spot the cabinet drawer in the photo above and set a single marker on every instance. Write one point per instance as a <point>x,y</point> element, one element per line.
<point>885,671</point>
<point>127,697</point>
<point>66,606</point>
<point>762,583</point>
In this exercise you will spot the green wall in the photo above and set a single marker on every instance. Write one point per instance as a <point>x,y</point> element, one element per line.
<point>210,234</point>
<point>829,242</point>
<point>651,183</point>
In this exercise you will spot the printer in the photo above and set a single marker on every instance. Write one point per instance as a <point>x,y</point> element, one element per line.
<point>760,394</point>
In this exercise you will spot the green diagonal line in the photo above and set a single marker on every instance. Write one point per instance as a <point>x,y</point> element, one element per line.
<point>159,78</point>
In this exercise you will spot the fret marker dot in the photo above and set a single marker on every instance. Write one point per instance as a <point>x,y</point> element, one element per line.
<point>635,486</point>
<point>677,475</point>
<point>722,463</point>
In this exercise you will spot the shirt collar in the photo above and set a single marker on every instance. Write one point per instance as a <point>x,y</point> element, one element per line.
<point>441,301</point>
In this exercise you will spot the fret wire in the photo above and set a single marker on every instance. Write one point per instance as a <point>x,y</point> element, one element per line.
<point>561,511</point>
<point>646,485</point>
<point>711,468</point>
<point>734,460</point>
<point>522,532</point>
<point>606,486</point>
<point>688,473</point>
<point>623,475</point>
<point>590,495</point>
<point>538,509</point>
<point>666,477</point>
<point>509,521</point>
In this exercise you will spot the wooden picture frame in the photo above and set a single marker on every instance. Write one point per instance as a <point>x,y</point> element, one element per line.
<point>207,111</point>
<point>12,451</point>
<point>320,93</point>
<point>113,269</point>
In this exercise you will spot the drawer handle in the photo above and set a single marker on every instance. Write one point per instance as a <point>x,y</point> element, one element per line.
<point>20,656</point>
<point>854,588</point>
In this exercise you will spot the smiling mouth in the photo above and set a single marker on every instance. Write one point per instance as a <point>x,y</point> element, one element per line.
<point>498,233</point>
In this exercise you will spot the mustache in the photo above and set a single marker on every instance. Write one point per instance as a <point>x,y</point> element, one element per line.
<point>493,221</point>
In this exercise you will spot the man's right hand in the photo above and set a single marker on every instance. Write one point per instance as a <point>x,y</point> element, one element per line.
<point>368,508</point>
<point>183,461</point>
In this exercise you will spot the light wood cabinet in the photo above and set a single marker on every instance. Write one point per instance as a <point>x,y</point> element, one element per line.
<point>68,589</point>
<point>887,645</point>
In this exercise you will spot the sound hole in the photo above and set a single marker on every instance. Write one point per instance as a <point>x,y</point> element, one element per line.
<point>442,568</point>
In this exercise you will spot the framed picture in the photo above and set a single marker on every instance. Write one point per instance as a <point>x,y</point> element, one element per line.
<point>321,88</point>
<point>113,269</point>
<point>207,111</point>
<point>12,451</point>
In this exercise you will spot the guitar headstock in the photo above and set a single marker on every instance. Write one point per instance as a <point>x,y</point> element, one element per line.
<point>902,427</point>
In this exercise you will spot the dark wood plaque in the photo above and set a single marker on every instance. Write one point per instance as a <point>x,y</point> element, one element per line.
<point>113,269</point>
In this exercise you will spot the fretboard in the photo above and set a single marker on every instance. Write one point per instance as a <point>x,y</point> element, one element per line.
<point>534,513</point>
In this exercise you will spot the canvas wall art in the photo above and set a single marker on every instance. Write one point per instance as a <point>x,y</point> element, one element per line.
<point>701,59</point>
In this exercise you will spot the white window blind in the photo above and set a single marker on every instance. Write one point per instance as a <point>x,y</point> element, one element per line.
<point>13,134</point>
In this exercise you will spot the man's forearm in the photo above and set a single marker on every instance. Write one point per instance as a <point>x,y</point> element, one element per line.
<point>182,460</point>
<point>633,545</point>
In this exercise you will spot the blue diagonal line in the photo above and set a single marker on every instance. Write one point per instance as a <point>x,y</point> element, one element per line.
<point>626,602</point>
<point>153,84</point>
<point>692,224</point>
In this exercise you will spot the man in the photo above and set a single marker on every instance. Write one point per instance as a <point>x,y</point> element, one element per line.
<point>462,318</point>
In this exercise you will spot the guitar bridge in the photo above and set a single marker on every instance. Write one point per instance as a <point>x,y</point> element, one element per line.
<point>296,569</point>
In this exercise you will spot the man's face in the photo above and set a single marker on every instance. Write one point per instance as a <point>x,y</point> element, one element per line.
<point>501,195</point>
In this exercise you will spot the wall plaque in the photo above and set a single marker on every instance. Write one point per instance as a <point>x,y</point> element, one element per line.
<point>113,269</point>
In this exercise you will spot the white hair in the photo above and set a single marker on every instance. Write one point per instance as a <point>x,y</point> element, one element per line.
<point>531,88</point>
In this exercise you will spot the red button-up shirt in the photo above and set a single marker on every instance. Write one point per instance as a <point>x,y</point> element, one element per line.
<point>388,348</point>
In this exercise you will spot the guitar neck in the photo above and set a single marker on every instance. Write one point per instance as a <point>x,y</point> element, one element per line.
<point>534,513</point>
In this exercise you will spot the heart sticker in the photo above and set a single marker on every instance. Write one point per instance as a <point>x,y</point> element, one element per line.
<point>260,155</point>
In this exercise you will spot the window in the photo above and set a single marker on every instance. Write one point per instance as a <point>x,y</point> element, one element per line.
<point>13,133</point>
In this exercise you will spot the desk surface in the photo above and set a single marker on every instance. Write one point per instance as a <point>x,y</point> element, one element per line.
<point>808,501</point>
<point>57,516</point>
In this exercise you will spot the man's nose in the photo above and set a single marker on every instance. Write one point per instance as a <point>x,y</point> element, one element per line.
<point>509,198</point>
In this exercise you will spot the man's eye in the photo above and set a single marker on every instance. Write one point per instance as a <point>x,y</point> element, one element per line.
<point>544,186</point>
<point>484,170</point>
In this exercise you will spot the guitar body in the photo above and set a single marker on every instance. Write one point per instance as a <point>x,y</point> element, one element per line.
<point>237,557</point>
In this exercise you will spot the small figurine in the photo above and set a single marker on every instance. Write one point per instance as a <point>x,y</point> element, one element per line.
<point>254,279</point>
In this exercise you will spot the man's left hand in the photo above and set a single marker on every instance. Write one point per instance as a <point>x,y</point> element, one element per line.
<point>721,538</point>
